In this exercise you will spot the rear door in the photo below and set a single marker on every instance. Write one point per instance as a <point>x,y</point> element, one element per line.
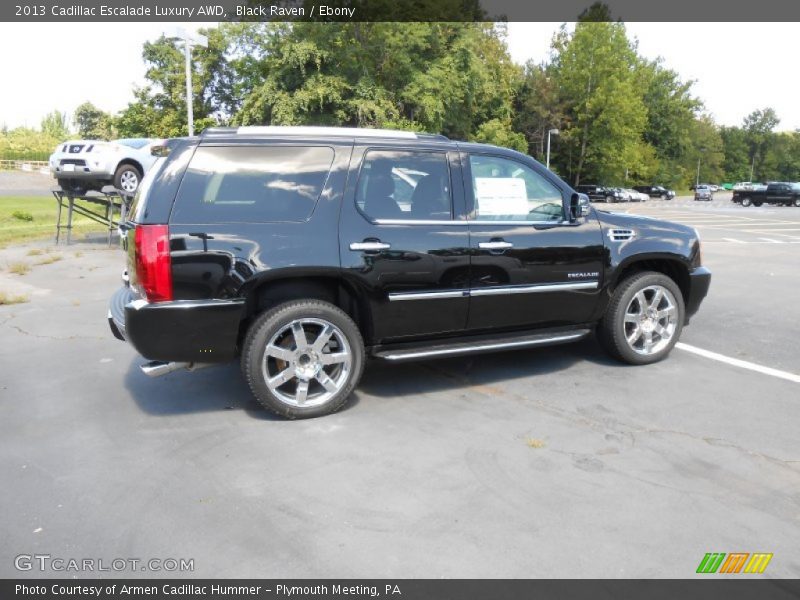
<point>530,267</point>
<point>404,241</point>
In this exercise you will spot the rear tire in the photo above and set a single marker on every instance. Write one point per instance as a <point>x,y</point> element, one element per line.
<point>644,319</point>
<point>746,202</point>
<point>609,199</point>
<point>757,204</point>
<point>303,358</point>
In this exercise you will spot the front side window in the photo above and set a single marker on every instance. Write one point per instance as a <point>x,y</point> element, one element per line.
<point>241,184</point>
<point>399,184</point>
<point>507,190</point>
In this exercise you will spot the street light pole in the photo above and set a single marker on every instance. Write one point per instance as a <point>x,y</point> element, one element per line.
<point>554,132</point>
<point>187,50</point>
<point>697,181</point>
<point>699,156</point>
<point>189,39</point>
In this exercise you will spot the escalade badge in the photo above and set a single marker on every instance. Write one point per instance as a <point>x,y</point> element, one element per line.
<point>576,275</point>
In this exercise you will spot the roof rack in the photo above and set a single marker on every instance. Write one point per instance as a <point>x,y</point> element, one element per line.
<point>322,131</point>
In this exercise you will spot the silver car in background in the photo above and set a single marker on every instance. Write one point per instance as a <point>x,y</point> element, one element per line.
<point>83,165</point>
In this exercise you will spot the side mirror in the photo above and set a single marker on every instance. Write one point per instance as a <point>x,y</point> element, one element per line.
<point>578,206</point>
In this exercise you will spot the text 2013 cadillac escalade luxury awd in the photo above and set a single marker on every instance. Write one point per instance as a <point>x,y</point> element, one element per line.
<point>305,250</point>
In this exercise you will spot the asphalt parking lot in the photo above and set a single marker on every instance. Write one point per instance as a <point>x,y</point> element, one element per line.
<point>551,462</point>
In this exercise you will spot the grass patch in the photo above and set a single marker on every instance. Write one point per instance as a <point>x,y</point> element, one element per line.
<point>34,252</point>
<point>49,259</point>
<point>21,215</point>
<point>19,268</point>
<point>42,211</point>
<point>13,298</point>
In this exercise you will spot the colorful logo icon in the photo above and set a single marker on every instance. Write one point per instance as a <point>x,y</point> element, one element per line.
<point>736,562</point>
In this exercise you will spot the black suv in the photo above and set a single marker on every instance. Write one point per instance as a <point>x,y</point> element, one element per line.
<point>655,191</point>
<point>306,250</point>
<point>600,193</point>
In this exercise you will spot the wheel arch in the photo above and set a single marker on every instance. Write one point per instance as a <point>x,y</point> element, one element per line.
<point>132,162</point>
<point>268,292</point>
<point>673,266</point>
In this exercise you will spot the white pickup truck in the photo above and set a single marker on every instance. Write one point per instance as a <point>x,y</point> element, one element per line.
<point>83,165</point>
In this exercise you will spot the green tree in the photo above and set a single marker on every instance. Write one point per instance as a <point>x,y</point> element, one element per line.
<point>759,126</point>
<point>736,161</point>
<point>93,123</point>
<point>538,107</point>
<point>446,78</point>
<point>159,107</point>
<point>595,70</point>
<point>54,124</point>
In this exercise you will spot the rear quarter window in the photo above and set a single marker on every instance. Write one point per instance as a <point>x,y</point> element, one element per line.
<point>252,184</point>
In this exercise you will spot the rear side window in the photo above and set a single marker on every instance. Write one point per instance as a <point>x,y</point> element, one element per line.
<point>241,184</point>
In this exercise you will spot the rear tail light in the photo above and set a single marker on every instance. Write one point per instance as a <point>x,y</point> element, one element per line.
<point>153,264</point>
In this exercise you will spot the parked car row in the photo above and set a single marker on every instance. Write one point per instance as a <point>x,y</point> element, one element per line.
<point>639,193</point>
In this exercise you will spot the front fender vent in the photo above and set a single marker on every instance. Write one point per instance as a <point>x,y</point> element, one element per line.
<point>621,235</point>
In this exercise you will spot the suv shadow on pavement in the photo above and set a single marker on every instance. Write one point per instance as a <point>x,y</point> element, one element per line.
<point>221,388</point>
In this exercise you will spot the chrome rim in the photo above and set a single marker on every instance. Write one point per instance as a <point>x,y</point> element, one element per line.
<point>307,362</point>
<point>651,320</point>
<point>128,181</point>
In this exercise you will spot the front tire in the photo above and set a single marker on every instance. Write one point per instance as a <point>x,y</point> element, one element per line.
<point>644,319</point>
<point>303,358</point>
<point>127,179</point>
<point>609,199</point>
<point>796,202</point>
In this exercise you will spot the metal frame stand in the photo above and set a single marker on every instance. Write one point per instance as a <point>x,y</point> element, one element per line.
<point>109,200</point>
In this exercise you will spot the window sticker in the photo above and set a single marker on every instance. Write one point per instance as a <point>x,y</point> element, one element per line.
<point>501,196</point>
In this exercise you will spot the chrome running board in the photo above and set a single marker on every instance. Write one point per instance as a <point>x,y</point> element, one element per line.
<point>484,345</point>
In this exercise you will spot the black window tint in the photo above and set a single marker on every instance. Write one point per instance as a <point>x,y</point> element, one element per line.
<point>228,184</point>
<point>507,190</point>
<point>396,184</point>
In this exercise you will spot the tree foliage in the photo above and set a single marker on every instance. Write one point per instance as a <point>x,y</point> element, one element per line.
<point>623,119</point>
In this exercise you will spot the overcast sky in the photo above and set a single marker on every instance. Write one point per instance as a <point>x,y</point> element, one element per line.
<point>739,67</point>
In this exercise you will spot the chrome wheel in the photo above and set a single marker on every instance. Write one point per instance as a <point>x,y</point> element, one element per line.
<point>129,181</point>
<point>651,319</point>
<point>307,362</point>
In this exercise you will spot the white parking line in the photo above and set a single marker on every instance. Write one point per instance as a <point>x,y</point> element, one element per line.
<point>734,240</point>
<point>742,364</point>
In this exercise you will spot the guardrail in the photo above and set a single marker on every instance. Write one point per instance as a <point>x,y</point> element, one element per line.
<point>25,165</point>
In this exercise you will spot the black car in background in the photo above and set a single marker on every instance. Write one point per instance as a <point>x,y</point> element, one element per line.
<point>780,193</point>
<point>655,191</point>
<point>600,193</point>
<point>305,250</point>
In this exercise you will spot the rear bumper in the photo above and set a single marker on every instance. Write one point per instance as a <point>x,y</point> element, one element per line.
<point>181,330</point>
<point>699,282</point>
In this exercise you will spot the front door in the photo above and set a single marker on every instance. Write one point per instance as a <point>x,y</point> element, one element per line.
<point>531,267</point>
<point>404,241</point>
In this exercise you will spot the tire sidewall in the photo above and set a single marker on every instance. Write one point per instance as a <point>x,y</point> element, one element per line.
<point>270,323</point>
<point>123,169</point>
<point>746,202</point>
<point>627,291</point>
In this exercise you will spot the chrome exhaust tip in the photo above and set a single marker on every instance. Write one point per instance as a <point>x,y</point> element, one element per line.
<point>157,368</point>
